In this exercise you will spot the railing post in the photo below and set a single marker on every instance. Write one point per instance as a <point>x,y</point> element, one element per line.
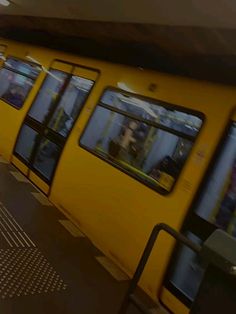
<point>147,251</point>
<point>140,268</point>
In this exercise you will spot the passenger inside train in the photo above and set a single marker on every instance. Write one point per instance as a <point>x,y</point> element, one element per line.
<point>131,133</point>
<point>14,95</point>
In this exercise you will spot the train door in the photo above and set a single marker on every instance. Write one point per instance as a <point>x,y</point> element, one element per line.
<point>214,207</point>
<point>49,121</point>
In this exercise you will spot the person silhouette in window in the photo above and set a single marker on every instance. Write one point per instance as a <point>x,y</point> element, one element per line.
<point>14,95</point>
<point>120,147</point>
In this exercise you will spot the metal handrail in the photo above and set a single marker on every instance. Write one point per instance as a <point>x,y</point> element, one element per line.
<point>129,296</point>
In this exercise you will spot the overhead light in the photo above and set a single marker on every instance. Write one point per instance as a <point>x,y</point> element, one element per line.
<point>123,86</point>
<point>32,59</point>
<point>5,3</point>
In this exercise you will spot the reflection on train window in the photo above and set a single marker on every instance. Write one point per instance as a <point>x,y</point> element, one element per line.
<point>146,140</point>
<point>70,105</point>
<point>218,201</point>
<point>157,112</point>
<point>188,270</point>
<point>48,95</point>
<point>16,80</point>
<point>26,142</point>
<point>25,68</point>
<point>46,158</point>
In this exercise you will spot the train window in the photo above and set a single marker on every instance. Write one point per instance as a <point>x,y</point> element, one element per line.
<point>217,203</point>
<point>26,141</point>
<point>48,95</point>
<point>16,80</point>
<point>46,157</point>
<point>70,105</point>
<point>148,140</point>
<point>60,100</point>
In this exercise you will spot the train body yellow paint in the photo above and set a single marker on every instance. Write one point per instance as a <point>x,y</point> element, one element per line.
<point>115,210</point>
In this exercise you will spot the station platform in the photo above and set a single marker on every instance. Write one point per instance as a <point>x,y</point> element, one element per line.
<point>46,264</point>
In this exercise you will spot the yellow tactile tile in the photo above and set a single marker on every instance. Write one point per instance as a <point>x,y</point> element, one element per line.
<point>19,177</point>
<point>71,228</point>
<point>115,271</point>
<point>3,161</point>
<point>41,198</point>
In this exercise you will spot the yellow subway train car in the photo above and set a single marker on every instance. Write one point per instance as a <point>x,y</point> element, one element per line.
<point>121,149</point>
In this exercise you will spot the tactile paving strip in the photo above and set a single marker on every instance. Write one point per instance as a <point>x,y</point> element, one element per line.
<point>26,272</point>
<point>11,231</point>
<point>23,268</point>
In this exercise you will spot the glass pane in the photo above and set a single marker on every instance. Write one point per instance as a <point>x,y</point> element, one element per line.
<point>151,154</point>
<point>47,95</point>
<point>218,201</point>
<point>46,158</point>
<point>70,105</point>
<point>188,270</point>
<point>14,87</point>
<point>23,67</point>
<point>156,112</point>
<point>26,142</point>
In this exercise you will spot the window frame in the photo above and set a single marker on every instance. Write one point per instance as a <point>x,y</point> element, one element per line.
<point>34,79</point>
<point>154,101</point>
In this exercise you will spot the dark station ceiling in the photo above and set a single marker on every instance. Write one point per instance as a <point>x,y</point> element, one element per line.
<point>196,38</point>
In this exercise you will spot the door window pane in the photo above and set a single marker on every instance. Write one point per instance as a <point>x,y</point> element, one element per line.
<point>47,95</point>
<point>70,105</point>
<point>218,201</point>
<point>188,270</point>
<point>46,158</point>
<point>26,142</point>
<point>150,154</point>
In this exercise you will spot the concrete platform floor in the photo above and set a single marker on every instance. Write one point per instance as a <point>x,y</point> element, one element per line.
<point>44,268</point>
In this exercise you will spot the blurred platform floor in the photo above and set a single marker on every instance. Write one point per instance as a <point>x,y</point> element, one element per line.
<point>46,264</point>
